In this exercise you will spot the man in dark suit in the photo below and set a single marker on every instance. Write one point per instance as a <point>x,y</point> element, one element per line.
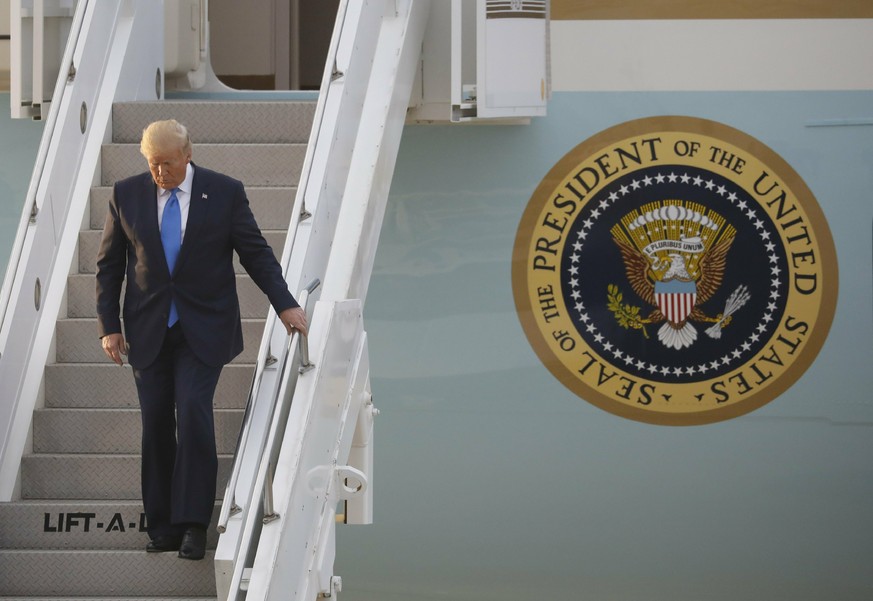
<point>172,232</point>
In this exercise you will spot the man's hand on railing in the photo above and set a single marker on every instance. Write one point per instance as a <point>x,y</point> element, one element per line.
<point>294,319</point>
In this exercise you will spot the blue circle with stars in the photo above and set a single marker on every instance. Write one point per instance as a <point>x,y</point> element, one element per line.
<point>755,275</point>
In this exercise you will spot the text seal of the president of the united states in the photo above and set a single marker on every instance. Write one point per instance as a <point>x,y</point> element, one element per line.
<point>674,270</point>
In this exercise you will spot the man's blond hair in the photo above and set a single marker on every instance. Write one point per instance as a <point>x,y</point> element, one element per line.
<point>164,136</point>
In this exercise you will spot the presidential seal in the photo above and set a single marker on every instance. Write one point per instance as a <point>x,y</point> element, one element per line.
<point>675,271</point>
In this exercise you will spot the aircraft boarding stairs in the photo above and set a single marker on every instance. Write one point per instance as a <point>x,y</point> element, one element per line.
<point>81,482</point>
<point>72,526</point>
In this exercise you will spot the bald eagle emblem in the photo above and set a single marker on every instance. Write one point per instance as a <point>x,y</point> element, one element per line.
<point>674,254</point>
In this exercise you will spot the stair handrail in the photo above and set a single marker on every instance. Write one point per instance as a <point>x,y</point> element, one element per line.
<point>370,69</point>
<point>265,359</point>
<point>281,404</point>
<point>229,506</point>
<point>109,57</point>
<point>28,217</point>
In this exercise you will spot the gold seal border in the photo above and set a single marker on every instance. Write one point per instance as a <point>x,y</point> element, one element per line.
<point>695,126</point>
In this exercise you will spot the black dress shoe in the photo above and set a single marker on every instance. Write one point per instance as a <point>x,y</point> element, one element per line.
<point>163,543</point>
<point>193,543</point>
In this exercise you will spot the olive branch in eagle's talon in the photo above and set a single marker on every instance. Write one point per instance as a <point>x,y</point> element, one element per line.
<point>627,316</point>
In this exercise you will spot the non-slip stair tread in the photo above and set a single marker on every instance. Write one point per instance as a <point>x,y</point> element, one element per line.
<point>114,431</point>
<point>215,121</point>
<point>80,524</point>
<point>80,297</point>
<point>89,244</point>
<point>99,455</point>
<point>252,164</point>
<point>91,476</point>
<point>67,411</point>
<point>271,205</point>
<point>113,573</point>
<point>77,341</point>
<point>105,385</point>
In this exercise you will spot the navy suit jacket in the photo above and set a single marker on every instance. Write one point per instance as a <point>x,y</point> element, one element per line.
<point>202,284</point>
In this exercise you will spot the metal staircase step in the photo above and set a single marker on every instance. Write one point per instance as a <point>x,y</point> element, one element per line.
<point>253,164</point>
<point>90,476</point>
<point>271,206</point>
<point>114,574</point>
<point>213,121</point>
<point>77,341</point>
<point>89,243</point>
<point>94,525</point>
<point>80,297</point>
<point>2,598</point>
<point>111,430</point>
<point>104,385</point>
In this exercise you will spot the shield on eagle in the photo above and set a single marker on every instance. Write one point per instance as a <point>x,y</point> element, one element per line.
<point>676,299</point>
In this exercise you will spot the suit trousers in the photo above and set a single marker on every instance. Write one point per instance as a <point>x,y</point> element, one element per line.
<point>179,458</point>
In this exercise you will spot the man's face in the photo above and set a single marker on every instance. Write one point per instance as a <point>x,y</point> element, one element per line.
<point>168,167</point>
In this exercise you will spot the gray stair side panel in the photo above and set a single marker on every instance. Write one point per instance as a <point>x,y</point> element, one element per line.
<point>80,525</point>
<point>211,121</point>
<point>112,430</point>
<point>113,574</point>
<point>90,476</point>
<point>77,342</point>
<point>89,244</point>
<point>105,385</point>
<point>80,297</point>
<point>252,164</point>
<point>271,206</point>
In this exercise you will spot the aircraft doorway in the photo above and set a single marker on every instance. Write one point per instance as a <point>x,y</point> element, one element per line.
<point>270,44</point>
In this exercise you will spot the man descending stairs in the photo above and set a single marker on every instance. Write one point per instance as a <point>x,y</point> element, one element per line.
<point>78,529</point>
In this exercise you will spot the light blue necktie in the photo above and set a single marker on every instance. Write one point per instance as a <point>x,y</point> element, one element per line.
<point>171,236</point>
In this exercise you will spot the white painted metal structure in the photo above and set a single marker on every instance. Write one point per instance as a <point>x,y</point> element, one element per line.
<point>109,58</point>
<point>370,71</point>
<point>484,60</point>
<point>40,29</point>
<point>297,458</point>
<point>512,76</point>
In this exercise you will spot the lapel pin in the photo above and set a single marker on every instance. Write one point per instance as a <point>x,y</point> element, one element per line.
<point>203,196</point>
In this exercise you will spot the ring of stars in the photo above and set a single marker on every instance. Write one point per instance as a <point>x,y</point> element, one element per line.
<point>733,356</point>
